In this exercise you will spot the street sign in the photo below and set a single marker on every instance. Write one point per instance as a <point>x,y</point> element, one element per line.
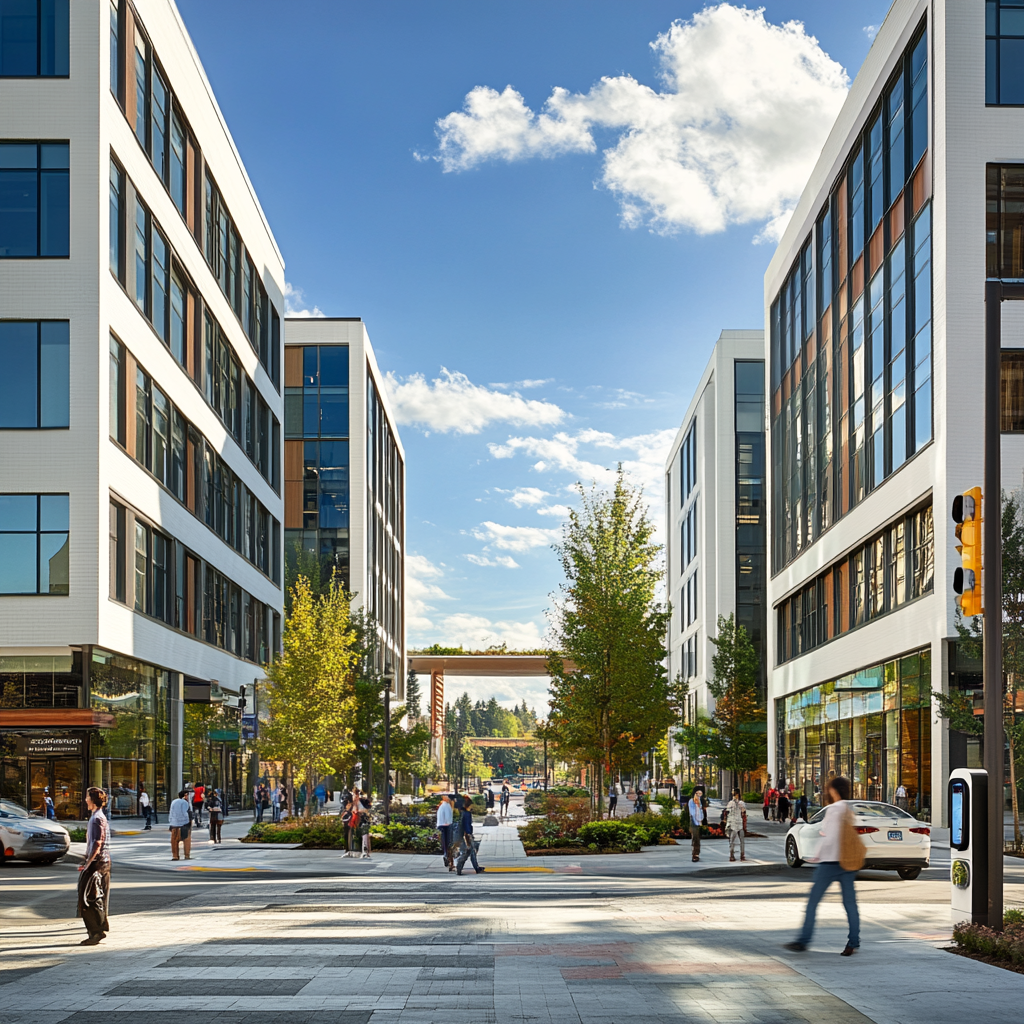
<point>250,727</point>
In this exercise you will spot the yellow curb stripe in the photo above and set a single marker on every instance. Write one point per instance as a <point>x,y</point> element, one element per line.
<point>197,868</point>
<point>538,870</point>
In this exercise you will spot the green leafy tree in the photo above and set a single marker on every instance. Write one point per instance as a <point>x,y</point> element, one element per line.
<point>614,704</point>
<point>957,706</point>
<point>310,691</point>
<point>699,739</point>
<point>412,694</point>
<point>740,736</point>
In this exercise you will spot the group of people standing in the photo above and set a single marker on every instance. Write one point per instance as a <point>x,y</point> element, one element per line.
<point>784,804</point>
<point>357,816</point>
<point>455,824</point>
<point>273,798</point>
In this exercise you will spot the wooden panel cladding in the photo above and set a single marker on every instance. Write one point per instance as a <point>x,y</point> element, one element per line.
<point>293,366</point>
<point>896,221</point>
<point>921,189</point>
<point>876,248</point>
<point>809,351</point>
<point>190,184</point>
<point>843,302</point>
<point>830,626</point>
<point>826,329</point>
<point>190,333</point>
<point>130,371</point>
<point>128,65</point>
<point>858,278</point>
<point>293,460</point>
<point>777,402</point>
<point>293,504</point>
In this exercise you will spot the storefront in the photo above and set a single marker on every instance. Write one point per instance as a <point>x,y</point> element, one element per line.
<point>873,726</point>
<point>212,749</point>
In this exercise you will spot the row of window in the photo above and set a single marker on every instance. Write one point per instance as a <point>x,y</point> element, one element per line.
<point>688,654</point>
<point>896,566</point>
<point>34,38</point>
<point>156,279</point>
<point>144,94</point>
<point>316,391</point>
<point>688,601</point>
<point>35,383</point>
<point>688,463</point>
<point>688,538</point>
<point>850,330</point>
<point>146,424</point>
<point>158,576</point>
<point>34,543</point>
<point>35,199</point>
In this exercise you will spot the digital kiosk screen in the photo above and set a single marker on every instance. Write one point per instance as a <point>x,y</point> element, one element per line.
<point>958,789</point>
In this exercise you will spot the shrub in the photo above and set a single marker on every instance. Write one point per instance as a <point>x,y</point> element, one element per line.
<point>666,802</point>
<point>753,798</point>
<point>650,827</point>
<point>547,833</point>
<point>613,834</point>
<point>1013,917</point>
<point>78,835</point>
<point>397,836</point>
<point>1007,945</point>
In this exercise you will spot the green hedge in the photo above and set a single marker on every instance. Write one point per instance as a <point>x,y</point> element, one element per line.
<point>328,833</point>
<point>1006,945</point>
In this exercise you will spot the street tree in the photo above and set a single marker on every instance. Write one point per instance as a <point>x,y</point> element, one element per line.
<point>613,704</point>
<point>310,693</point>
<point>740,737</point>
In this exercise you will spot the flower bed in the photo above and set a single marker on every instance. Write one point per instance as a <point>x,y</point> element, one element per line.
<point>328,833</point>
<point>1002,949</point>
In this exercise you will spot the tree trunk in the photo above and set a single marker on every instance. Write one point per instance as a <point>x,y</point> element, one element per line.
<point>1013,793</point>
<point>600,790</point>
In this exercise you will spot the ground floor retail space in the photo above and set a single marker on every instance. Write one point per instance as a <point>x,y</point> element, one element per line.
<point>873,726</point>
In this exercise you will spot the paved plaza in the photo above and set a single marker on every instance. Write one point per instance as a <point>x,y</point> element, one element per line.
<point>228,937</point>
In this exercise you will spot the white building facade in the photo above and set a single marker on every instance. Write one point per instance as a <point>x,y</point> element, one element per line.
<point>715,516</point>
<point>344,473</point>
<point>874,305</point>
<point>141,509</point>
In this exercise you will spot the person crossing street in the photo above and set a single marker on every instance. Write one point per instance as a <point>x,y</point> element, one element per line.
<point>696,808</point>
<point>736,824</point>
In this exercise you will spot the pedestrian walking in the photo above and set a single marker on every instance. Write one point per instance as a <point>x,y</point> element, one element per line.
<point>773,804</point>
<point>783,806</point>
<point>321,796</point>
<point>736,824</point>
<point>365,820</point>
<point>506,796</point>
<point>696,808</point>
<point>215,811</point>
<point>146,807</point>
<point>613,799</point>
<point>901,797</point>
<point>840,856</point>
<point>801,806</point>
<point>489,800</point>
<point>48,810</point>
<point>468,845</point>
<point>94,873</point>
<point>179,821</point>
<point>198,792</point>
<point>300,800</point>
<point>350,819</point>
<point>767,799</point>
<point>275,804</point>
<point>444,827</point>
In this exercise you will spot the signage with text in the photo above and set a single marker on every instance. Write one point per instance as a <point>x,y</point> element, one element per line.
<point>49,746</point>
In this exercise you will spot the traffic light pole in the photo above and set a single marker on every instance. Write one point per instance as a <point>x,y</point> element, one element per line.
<point>992,593</point>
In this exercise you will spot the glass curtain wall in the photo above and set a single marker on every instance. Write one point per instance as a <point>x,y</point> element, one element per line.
<point>850,329</point>
<point>872,726</point>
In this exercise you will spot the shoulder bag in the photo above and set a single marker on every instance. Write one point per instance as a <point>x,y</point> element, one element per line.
<point>852,853</point>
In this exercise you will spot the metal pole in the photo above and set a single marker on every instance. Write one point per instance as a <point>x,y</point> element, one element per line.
<point>387,749</point>
<point>545,764</point>
<point>992,600</point>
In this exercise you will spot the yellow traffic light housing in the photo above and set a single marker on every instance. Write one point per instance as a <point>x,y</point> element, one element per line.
<point>967,576</point>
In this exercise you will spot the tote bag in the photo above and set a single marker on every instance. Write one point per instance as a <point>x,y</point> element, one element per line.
<point>852,853</point>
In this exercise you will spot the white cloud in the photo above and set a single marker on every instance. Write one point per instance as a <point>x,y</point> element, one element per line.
<point>504,561</point>
<point>293,303</point>
<point>521,385</point>
<point>475,632</point>
<point>515,538</point>
<point>871,31</point>
<point>731,138</point>
<point>452,402</point>
<point>526,496</point>
<point>554,510</point>
<point>420,592</point>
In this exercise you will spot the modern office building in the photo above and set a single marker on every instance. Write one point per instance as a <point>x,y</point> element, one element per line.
<point>874,303</point>
<point>344,474</point>
<point>140,411</point>
<point>716,517</point>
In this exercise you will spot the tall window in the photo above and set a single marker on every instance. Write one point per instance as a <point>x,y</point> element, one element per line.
<point>34,384</point>
<point>115,50</point>
<point>178,185</point>
<point>1004,52</point>
<point>34,199</point>
<point>142,258</point>
<point>1004,188</point>
<point>159,111</point>
<point>116,382</point>
<point>141,91</point>
<point>33,38</point>
<point>33,543</point>
<point>161,284</point>
<point>116,226</point>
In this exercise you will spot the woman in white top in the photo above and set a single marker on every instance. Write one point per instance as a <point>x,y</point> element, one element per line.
<point>829,870</point>
<point>444,826</point>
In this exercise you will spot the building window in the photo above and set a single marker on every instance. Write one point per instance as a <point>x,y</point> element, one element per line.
<point>688,464</point>
<point>142,258</point>
<point>1004,53</point>
<point>159,113</point>
<point>34,199</point>
<point>116,225</point>
<point>117,397</point>
<point>33,38</point>
<point>178,182</point>
<point>117,550</point>
<point>1004,187</point>
<point>1011,387</point>
<point>141,91</point>
<point>115,51</point>
<point>34,544</point>
<point>34,385</point>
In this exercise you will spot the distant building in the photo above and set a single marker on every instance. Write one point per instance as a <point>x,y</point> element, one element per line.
<point>715,516</point>
<point>140,412</point>
<point>344,473</point>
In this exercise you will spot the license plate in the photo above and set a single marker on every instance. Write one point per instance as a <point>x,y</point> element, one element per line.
<point>898,836</point>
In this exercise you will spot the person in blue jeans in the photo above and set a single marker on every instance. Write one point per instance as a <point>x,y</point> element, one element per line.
<point>468,846</point>
<point>829,870</point>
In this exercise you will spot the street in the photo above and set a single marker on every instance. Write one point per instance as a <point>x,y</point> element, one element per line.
<point>355,942</point>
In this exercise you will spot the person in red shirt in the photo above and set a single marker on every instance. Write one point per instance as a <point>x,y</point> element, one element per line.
<point>197,802</point>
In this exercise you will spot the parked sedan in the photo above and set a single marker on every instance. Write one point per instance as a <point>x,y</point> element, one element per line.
<point>894,840</point>
<point>26,837</point>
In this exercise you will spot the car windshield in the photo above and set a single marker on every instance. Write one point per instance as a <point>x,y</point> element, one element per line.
<point>9,809</point>
<point>878,810</point>
<point>820,816</point>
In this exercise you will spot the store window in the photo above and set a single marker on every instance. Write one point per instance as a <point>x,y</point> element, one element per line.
<point>34,544</point>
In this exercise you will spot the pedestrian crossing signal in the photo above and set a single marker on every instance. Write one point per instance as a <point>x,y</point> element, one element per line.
<point>967,576</point>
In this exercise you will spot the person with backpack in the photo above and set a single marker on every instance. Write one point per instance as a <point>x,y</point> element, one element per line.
<point>215,810</point>
<point>469,846</point>
<point>506,796</point>
<point>197,803</point>
<point>840,856</point>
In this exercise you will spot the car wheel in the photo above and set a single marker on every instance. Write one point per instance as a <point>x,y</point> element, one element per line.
<point>908,874</point>
<point>792,853</point>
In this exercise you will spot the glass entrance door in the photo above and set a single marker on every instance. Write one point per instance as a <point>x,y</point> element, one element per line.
<point>66,789</point>
<point>38,781</point>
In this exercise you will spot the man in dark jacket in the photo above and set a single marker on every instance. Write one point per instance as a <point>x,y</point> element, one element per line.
<point>469,847</point>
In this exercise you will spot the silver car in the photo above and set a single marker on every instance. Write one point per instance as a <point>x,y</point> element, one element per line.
<point>893,840</point>
<point>24,836</point>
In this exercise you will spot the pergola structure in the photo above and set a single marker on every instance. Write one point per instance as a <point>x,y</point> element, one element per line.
<point>438,665</point>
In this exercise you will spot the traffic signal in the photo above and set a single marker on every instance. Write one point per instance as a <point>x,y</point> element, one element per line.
<point>967,577</point>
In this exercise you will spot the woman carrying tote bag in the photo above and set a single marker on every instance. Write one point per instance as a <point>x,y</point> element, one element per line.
<point>840,856</point>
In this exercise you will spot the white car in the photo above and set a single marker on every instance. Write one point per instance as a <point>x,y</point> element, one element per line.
<point>894,840</point>
<point>27,837</point>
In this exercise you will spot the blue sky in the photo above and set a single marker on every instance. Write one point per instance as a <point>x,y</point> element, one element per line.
<point>568,259</point>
